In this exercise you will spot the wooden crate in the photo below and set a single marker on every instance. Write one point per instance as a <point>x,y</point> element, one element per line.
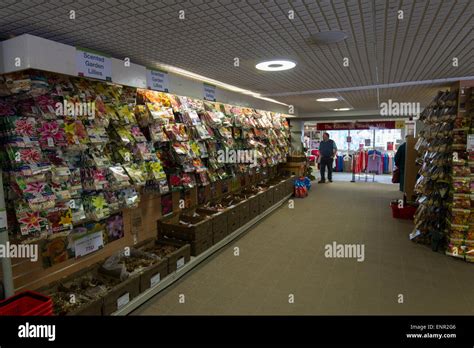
<point>244,211</point>
<point>121,294</point>
<point>178,258</point>
<point>153,275</point>
<point>196,231</point>
<point>254,207</point>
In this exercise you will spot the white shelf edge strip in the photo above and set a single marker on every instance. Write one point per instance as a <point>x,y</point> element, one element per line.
<point>170,279</point>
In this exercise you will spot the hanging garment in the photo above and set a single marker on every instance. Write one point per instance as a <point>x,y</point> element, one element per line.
<point>373,164</point>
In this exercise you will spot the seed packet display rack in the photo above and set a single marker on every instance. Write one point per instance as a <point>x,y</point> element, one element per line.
<point>444,187</point>
<point>87,163</point>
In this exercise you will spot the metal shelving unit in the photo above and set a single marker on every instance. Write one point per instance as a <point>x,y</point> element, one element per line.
<point>170,279</point>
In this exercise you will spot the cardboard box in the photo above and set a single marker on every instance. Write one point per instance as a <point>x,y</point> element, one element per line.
<point>244,211</point>
<point>263,201</point>
<point>121,294</point>
<point>198,229</point>
<point>233,219</point>
<point>198,247</point>
<point>178,258</point>
<point>254,207</point>
<point>153,275</point>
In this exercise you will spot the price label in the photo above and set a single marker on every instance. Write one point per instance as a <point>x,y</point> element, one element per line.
<point>88,244</point>
<point>180,262</point>
<point>50,142</point>
<point>155,280</point>
<point>123,300</point>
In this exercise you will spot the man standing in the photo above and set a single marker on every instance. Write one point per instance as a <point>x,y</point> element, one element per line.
<point>327,151</point>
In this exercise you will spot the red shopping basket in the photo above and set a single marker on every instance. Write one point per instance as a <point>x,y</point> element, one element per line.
<point>27,303</point>
<point>407,212</point>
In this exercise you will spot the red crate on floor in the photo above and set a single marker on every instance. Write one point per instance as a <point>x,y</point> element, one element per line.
<point>407,212</point>
<point>27,303</point>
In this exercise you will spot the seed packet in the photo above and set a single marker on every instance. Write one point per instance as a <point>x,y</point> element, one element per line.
<point>157,133</point>
<point>126,115</point>
<point>25,156</point>
<point>137,172</point>
<point>39,195</point>
<point>176,132</point>
<point>6,109</point>
<point>51,134</point>
<point>75,183</point>
<point>166,204</point>
<point>96,207</point>
<point>47,106</point>
<point>55,249</point>
<point>27,108</point>
<point>117,178</point>
<point>202,132</point>
<point>113,200</point>
<point>97,135</point>
<point>76,134</point>
<point>114,227</point>
<point>124,135</point>
<point>142,151</point>
<point>195,150</point>
<point>61,190</point>
<point>128,198</point>
<point>163,186</point>
<point>155,170</point>
<point>175,181</point>
<point>188,180</point>
<point>125,156</point>
<point>21,126</point>
<point>137,134</point>
<point>99,158</point>
<point>202,178</point>
<point>94,178</point>
<point>60,218</point>
<point>77,210</point>
<point>461,201</point>
<point>31,222</point>
<point>461,185</point>
<point>191,118</point>
<point>460,216</point>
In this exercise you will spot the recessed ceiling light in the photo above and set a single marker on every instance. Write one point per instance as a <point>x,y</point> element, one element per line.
<point>324,100</point>
<point>342,109</point>
<point>275,65</point>
<point>327,37</point>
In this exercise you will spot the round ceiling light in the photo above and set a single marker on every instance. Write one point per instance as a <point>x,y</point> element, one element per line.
<point>342,109</point>
<point>275,65</point>
<point>325,100</point>
<point>327,37</point>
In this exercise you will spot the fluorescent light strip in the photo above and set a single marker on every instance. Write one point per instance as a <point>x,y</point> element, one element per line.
<point>223,85</point>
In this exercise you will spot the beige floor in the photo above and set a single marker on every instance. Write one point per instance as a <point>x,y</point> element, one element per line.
<point>284,254</point>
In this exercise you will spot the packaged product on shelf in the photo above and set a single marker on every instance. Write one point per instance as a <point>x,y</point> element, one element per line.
<point>31,222</point>
<point>137,172</point>
<point>460,216</point>
<point>157,133</point>
<point>38,195</point>
<point>126,115</point>
<point>117,178</point>
<point>113,201</point>
<point>142,151</point>
<point>461,185</point>
<point>124,135</point>
<point>156,171</point>
<point>137,134</point>
<point>461,201</point>
<point>97,135</point>
<point>77,210</point>
<point>96,207</point>
<point>60,218</point>
<point>55,249</point>
<point>114,226</point>
<point>129,198</point>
